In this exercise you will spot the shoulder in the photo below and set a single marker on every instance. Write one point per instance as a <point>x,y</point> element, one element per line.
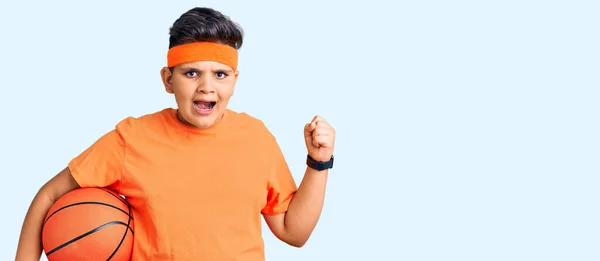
<point>144,122</point>
<point>244,122</point>
<point>244,119</point>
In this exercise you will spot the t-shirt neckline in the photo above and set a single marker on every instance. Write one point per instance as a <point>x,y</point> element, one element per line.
<point>217,127</point>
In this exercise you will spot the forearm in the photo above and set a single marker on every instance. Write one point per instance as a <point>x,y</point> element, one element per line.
<point>306,206</point>
<point>30,240</point>
<point>30,244</point>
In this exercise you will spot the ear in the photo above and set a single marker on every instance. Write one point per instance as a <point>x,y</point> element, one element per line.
<point>236,75</point>
<point>166,76</point>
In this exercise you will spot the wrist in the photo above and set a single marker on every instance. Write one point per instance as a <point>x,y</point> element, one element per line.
<point>319,165</point>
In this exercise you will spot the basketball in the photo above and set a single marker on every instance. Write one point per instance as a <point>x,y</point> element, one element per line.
<point>88,224</point>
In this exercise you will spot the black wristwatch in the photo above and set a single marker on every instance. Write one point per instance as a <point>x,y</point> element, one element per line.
<point>319,165</point>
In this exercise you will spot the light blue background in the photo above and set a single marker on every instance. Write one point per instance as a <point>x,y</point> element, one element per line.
<point>466,130</point>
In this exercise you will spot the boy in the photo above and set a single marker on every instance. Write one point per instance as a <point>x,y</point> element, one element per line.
<point>197,177</point>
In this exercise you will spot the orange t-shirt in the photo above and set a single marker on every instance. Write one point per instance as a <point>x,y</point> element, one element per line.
<point>196,194</point>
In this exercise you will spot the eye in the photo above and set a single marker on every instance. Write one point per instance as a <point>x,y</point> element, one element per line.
<point>191,73</point>
<point>221,74</point>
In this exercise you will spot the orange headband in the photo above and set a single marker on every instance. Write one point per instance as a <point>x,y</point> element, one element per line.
<point>202,51</point>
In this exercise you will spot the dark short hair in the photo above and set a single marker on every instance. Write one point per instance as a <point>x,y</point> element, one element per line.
<point>202,24</point>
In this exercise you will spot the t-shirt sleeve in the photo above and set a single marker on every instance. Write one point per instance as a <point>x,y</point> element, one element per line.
<point>101,164</point>
<point>281,186</point>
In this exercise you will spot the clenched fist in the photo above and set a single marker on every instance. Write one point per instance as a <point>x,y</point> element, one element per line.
<point>320,139</point>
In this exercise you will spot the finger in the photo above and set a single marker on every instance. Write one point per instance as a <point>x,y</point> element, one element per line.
<point>317,118</point>
<point>323,141</point>
<point>310,127</point>
<point>322,135</point>
<point>307,132</point>
<point>322,129</point>
<point>324,124</point>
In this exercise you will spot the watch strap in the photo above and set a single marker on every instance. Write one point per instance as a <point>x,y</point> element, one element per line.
<point>319,165</point>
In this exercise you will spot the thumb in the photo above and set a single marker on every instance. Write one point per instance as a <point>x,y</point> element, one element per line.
<point>309,128</point>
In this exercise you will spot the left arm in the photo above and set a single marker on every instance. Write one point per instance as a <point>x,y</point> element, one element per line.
<point>297,224</point>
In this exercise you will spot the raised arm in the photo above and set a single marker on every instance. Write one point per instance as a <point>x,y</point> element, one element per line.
<point>297,224</point>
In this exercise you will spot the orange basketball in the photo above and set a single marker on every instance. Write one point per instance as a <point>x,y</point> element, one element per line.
<point>88,224</point>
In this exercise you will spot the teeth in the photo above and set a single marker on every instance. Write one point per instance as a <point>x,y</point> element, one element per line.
<point>204,105</point>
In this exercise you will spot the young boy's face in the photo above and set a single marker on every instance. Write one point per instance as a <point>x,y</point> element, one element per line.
<point>201,89</point>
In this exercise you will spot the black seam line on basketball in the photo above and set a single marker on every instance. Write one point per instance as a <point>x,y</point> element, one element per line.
<point>125,234</point>
<point>86,234</point>
<point>86,203</point>
<point>90,232</point>
<point>112,194</point>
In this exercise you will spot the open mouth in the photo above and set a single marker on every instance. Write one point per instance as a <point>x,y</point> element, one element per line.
<point>204,107</point>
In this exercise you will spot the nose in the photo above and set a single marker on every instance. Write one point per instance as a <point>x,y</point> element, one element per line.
<point>205,85</point>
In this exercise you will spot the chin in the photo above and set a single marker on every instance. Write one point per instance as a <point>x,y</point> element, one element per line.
<point>204,124</point>
<point>206,121</point>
